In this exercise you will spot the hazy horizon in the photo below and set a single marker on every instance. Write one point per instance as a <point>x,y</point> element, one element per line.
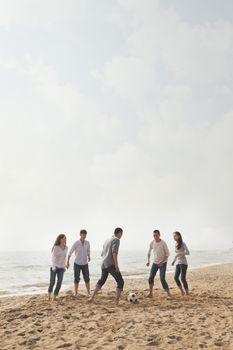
<point>121,250</point>
<point>116,113</point>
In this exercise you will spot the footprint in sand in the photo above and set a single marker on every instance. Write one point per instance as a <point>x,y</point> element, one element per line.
<point>218,343</point>
<point>172,337</point>
<point>21,334</point>
<point>64,345</point>
<point>153,343</point>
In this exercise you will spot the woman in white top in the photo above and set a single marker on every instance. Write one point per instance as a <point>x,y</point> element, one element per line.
<point>59,253</point>
<point>181,263</point>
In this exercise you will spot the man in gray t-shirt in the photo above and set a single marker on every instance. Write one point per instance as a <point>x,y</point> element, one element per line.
<point>110,246</point>
<point>110,264</point>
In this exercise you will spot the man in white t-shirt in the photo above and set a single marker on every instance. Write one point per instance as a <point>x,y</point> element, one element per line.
<point>81,248</point>
<point>161,254</point>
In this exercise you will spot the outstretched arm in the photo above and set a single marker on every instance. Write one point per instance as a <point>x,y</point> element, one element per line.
<point>89,252</point>
<point>69,255</point>
<point>115,258</point>
<point>186,251</point>
<point>149,254</point>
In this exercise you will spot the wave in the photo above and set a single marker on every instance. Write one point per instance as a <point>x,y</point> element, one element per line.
<point>134,273</point>
<point>4,292</point>
<point>28,286</point>
<point>29,267</point>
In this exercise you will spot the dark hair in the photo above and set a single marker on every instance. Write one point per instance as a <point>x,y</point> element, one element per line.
<point>83,232</point>
<point>118,230</point>
<point>156,231</point>
<point>58,240</point>
<point>180,240</point>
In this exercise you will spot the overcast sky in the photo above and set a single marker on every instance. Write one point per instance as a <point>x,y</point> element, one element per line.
<point>116,113</point>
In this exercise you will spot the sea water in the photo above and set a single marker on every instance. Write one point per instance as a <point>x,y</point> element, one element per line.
<point>28,272</point>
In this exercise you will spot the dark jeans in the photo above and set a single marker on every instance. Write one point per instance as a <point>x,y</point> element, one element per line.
<point>85,273</point>
<point>180,273</point>
<point>162,273</point>
<point>116,275</point>
<point>59,273</point>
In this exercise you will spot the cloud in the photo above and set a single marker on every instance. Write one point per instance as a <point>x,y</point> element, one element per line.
<point>55,131</point>
<point>188,51</point>
<point>128,76</point>
<point>37,12</point>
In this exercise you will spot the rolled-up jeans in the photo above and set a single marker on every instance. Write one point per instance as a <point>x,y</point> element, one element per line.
<point>162,273</point>
<point>116,275</point>
<point>85,272</point>
<point>180,273</point>
<point>59,273</point>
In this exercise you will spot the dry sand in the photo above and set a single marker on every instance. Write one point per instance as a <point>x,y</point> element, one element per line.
<point>204,320</point>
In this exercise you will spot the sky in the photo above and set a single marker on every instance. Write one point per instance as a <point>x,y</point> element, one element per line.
<point>116,113</point>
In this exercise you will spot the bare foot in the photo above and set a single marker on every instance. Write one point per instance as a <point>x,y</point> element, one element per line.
<point>149,295</point>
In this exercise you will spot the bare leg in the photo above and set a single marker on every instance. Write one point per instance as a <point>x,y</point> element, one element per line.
<point>168,293</point>
<point>49,296</point>
<point>151,291</point>
<point>186,291</point>
<point>100,283</point>
<point>118,295</point>
<point>88,288</point>
<point>94,294</point>
<point>76,289</point>
<point>181,290</point>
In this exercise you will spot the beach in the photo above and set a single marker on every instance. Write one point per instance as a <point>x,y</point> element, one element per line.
<point>202,320</point>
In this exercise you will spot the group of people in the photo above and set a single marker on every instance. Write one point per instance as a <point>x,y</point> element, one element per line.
<point>81,249</point>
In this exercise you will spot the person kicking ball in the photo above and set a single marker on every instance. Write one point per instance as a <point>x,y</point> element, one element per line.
<point>110,264</point>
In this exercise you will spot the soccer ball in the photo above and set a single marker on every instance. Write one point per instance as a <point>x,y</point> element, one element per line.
<point>132,297</point>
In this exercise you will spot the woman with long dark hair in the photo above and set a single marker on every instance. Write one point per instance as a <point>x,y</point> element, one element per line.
<point>181,263</point>
<point>59,253</point>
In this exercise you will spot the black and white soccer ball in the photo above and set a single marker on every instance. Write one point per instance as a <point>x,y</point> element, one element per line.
<point>132,297</point>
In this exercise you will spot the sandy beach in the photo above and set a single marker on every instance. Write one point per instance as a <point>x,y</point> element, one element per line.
<point>203,320</point>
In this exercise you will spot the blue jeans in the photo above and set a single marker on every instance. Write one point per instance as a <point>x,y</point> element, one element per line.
<point>116,275</point>
<point>180,273</point>
<point>59,273</point>
<point>85,272</point>
<point>162,273</point>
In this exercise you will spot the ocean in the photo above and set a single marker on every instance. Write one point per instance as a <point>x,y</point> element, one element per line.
<point>23,273</point>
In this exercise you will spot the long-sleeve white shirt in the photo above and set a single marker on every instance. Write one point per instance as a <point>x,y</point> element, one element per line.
<point>160,250</point>
<point>82,252</point>
<point>180,257</point>
<point>59,257</point>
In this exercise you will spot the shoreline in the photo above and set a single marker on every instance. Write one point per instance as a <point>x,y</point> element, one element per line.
<point>126,277</point>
